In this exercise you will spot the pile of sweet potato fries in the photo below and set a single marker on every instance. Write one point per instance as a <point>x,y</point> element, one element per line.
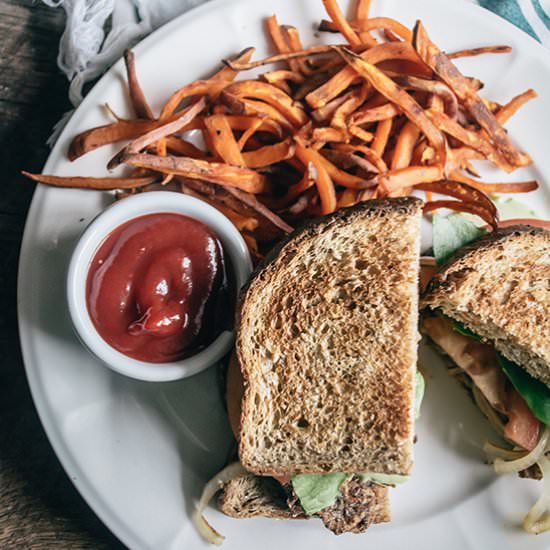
<point>381,115</point>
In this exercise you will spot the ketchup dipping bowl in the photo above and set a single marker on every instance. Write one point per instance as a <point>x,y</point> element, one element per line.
<point>114,222</point>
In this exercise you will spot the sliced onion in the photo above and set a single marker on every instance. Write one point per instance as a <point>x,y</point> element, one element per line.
<point>499,452</point>
<point>538,519</point>
<point>488,410</point>
<point>506,467</point>
<point>235,470</point>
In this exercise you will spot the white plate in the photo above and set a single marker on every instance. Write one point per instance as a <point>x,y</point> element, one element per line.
<point>139,453</point>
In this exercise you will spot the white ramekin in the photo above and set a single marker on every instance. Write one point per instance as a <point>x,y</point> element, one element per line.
<point>111,218</point>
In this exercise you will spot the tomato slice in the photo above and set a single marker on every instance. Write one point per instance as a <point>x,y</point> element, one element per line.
<point>522,428</point>
<point>283,479</point>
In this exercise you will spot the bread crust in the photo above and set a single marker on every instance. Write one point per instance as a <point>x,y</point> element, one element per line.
<point>399,205</point>
<point>499,287</point>
<point>282,364</point>
<point>473,251</point>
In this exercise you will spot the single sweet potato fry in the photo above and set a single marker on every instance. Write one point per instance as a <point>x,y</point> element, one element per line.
<point>211,88</point>
<point>374,114</point>
<point>381,137</point>
<point>384,23</point>
<point>252,202</point>
<point>325,185</point>
<point>470,52</point>
<point>503,187</point>
<point>110,133</point>
<point>243,178</point>
<point>227,73</point>
<point>245,66</point>
<point>335,13</point>
<point>137,97</point>
<point>104,184</point>
<point>404,146</point>
<point>460,206</point>
<point>223,140</point>
<point>507,111</point>
<point>269,154</point>
<point>411,176</point>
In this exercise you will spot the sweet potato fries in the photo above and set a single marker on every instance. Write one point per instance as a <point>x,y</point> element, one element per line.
<point>383,112</point>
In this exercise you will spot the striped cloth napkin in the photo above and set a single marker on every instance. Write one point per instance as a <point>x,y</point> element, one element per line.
<point>87,49</point>
<point>532,16</point>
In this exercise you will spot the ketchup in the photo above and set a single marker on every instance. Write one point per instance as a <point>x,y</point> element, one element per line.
<point>157,288</point>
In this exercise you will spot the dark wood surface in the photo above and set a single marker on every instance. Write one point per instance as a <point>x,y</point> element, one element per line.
<point>39,507</point>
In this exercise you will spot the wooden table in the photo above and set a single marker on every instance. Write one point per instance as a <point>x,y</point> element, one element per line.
<point>39,507</point>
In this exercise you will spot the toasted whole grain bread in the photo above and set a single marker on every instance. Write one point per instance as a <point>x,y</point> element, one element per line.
<point>327,340</point>
<point>499,287</point>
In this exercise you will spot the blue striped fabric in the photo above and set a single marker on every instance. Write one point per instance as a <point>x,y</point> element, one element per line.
<point>532,16</point>
<point>510,10</point>
<point>541,13</point>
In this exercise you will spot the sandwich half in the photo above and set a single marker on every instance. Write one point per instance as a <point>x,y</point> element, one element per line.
<point>488,309</point>
<point>322,392</point>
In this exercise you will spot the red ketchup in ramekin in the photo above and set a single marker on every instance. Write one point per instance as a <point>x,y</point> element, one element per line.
<point>157,288</point>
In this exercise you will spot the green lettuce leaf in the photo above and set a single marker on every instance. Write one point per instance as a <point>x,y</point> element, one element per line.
<point>384,479</point>
<point>419,387</point>
<point>451,233</point>
<point>317,491</point>
<point>535,393</point>
<point>510,209</point>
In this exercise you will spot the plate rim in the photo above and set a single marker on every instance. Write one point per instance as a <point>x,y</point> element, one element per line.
<point>86,489</point>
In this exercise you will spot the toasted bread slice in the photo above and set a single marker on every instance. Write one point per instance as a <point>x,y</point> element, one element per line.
<point>327,340</point>
<point>499,287</point>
